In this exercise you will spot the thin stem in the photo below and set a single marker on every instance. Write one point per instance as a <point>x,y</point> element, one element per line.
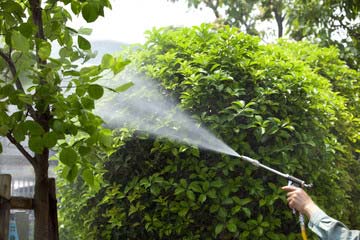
<point>21,149</point>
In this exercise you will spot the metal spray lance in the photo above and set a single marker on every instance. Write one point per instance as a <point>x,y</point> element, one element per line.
<point>291,181</point>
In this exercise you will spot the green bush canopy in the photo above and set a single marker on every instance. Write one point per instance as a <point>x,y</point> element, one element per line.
<point>293,106</point>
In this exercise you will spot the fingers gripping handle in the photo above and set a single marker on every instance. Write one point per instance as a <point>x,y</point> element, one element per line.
<point>301,216</point>
<point>290,183</point>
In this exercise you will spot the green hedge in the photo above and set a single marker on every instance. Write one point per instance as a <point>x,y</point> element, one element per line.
<point>293,106</point>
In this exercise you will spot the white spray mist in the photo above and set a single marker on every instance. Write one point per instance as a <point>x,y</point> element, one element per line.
<point>145,107</point>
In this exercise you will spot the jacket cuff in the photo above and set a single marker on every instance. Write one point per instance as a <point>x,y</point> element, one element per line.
<point>316,217</point>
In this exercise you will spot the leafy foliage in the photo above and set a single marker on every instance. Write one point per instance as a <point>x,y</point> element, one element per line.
<point>330,22</point>
<point>293,106</point>
<point>47,98</point>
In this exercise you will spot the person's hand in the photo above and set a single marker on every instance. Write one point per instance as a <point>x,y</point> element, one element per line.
<point>298,199</point>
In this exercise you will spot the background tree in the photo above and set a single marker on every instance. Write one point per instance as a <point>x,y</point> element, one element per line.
<point>294,106</point>
<point>47,97</point>
<point>330,22</point>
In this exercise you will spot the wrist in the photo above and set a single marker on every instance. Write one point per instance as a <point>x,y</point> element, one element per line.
<point>310,208</point>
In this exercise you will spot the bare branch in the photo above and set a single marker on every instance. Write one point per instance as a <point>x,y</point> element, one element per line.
<point>21,149</point>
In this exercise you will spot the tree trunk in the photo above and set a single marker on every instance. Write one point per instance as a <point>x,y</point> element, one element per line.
<point>5,186</point>
<point>279,20</point>
<point>41,198</point>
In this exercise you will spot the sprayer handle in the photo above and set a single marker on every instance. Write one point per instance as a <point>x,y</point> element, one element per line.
<point>298,182</point>
<point>295,181</point>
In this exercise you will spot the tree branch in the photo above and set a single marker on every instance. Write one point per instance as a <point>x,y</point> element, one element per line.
<point>18,84</point>
<point>37,17</point>
<point>213,7</point>
<point>21,149</point>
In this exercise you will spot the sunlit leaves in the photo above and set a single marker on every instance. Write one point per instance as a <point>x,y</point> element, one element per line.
<point>85,31</point>
<point>107,61</point>
<point>119,65</point>
<point>124,87</point>
<point>115,64</point>
<point>44,50</point>
<point>47,97</point>
<point>106,137</point>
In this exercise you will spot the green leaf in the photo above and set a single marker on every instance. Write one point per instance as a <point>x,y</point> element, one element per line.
<point>247,212</point>
<point>50,139</point>
<point>84,150</point>
<point>190,195</point>
<point>68,156</point>
<point>212,193</point>
<point>34,128</point>
<point>202,198</point>
<point>219,228</point>
<point>85,31</point>
<point>231,227</point>
<point>107,61</point>
<point>90,12</point>
<point>88,103</point>
<point>26,29</point>
<point>214,208</point>
<point>19,133</point>
<point>80,90</point>
<point>44,50</point>
<point>83,43</point>
<point>88,176</point>
<point>36,144</point>
<point>73,172</point>
<point>242,201</point>
<point>106,138</point>
<point>4,129</point>
<point>25,98</point>
<point>179,190</point>
<point>75,7</point>
<point>119,65</point>
<point>58,126</point>
<point>235,209</point>
<point>183,212</point>
<point>19,42</point>
<point>240,103</point>
<point>95,91</point>
<point>124,87</point>
<point>195,187</point>
<point>222,213</point>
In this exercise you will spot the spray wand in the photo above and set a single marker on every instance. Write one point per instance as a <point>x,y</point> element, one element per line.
<point>291,181</point>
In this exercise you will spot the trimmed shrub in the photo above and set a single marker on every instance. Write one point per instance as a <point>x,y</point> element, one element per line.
<point>293,106</point>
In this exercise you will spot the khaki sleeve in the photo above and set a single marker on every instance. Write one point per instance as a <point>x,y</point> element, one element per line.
<point>331,229</point>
